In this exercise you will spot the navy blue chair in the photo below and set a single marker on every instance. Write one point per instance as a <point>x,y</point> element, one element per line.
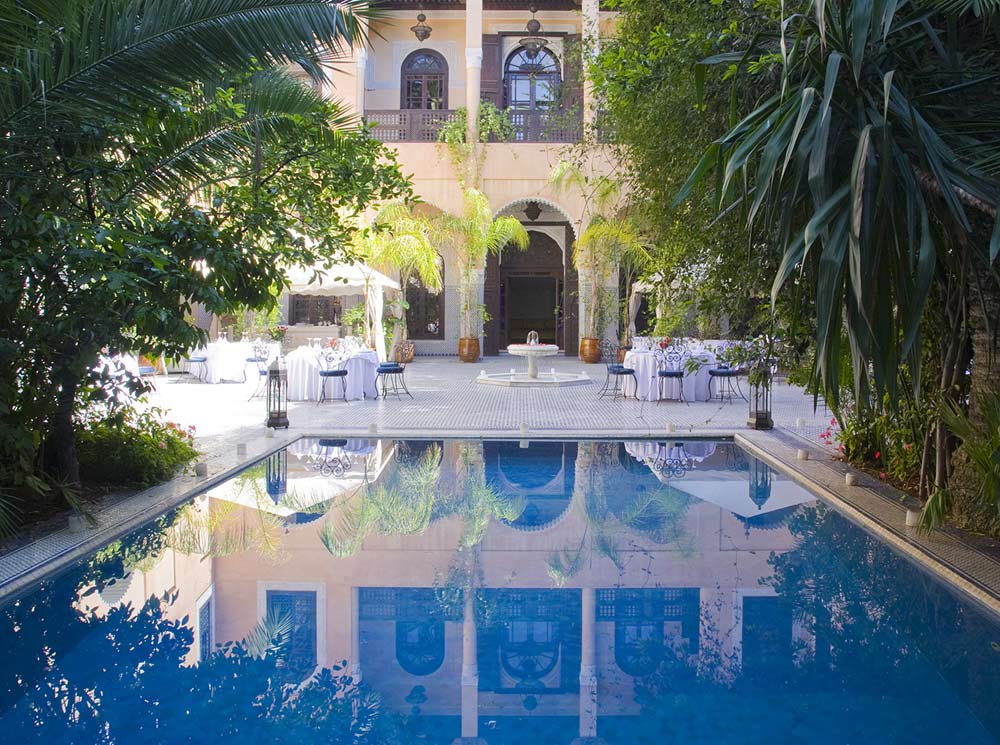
<point>727,383</point>
<point>390,377</point>
<point>331,367</point>
<point>259,359</point>
<point>202,363</point>
<point>616,373</point>
<point>670,366</point>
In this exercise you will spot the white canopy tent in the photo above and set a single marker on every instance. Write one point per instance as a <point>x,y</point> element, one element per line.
<point>348,279</point>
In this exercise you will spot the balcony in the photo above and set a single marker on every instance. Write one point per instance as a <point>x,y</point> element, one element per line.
<point>420,125</point>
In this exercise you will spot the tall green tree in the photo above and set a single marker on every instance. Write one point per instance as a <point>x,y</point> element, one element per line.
<point>871,161</point>
<point>119,116</point>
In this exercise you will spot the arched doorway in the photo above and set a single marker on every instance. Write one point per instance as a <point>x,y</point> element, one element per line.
<point>536,289</point>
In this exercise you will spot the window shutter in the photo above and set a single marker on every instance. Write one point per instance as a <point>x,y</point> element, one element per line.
<point>491,80</point>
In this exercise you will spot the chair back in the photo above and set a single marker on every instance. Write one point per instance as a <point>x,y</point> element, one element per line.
<point>261,353</point>
<point>676,355</point>
<point>329,359</point>
<point>609,353</point>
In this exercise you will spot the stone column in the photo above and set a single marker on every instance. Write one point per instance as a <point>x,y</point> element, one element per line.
<point>470,672</point>
<point>591,45</point>
<point>473,64</point>
<point>355,635</point>
<point>361,63</point>
<point>588,665</point>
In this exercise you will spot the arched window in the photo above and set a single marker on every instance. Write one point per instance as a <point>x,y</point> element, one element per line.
<point>529,650</point>
<point>532,82</point>
<point>639,647</point>
<point>420,646</point>
<point>425,316</point>
<point>424,81</point>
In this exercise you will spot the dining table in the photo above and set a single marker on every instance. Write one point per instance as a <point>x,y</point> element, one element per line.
<point>696,378</point>
<point>304,384</point>
<point>228,361</point>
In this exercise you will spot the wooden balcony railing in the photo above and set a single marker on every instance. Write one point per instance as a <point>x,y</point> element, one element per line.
<point>419,125</point>
<point>408,125</point>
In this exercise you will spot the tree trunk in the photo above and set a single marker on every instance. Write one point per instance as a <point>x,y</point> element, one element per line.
<point>985,314</point>
<point>60,449</point>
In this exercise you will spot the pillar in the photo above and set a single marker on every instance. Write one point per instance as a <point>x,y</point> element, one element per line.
<point>473,64</point>
<point>470,670</point>
<point>588,664</point>
<point>355,635</point>
<point>591,45</point>
<point>361,63</point>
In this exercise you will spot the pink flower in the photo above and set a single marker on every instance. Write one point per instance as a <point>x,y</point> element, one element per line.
<point>840,447</point>
<point>907,446</point>
<point>163,445</point>
<point>882,475</point>
<point>833,420</point>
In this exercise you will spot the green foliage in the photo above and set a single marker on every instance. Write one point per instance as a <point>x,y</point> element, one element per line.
<point>981,446</point>
<point>133,448</point>
<point>467,157</point>
<point>157,156</point>
<point>474,235</point>
<point>138,550</point>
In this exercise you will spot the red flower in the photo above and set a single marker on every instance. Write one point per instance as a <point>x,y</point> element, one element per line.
<point>878,454</point>
<point>882,475</point>
<point>833,420</point>
<point>907,446</point>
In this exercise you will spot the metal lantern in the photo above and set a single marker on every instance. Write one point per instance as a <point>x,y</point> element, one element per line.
<point>533,43</point>
<point>421,30</point>
<point>759,482</point>
<point>760,396</point>
<point>277,395</point>
<point>276,475</point>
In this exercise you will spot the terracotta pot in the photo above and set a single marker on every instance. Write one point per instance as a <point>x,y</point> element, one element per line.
<point>468,349</point>
<point>590,349</point>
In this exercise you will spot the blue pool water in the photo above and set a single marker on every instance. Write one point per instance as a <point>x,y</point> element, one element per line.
<point>362,591</point>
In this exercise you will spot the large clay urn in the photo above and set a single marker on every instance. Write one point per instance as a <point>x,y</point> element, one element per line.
<point>590,349</point>
<point>468,349</point>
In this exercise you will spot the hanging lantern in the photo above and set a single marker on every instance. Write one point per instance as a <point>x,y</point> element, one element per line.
<point>533,43</point>
<point>421,30</point>
<point>277,395</point>
<point>759,482</point>
<point>276,475</point>
<point>760,396</point>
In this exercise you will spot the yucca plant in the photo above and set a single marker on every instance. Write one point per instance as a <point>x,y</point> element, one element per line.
<point>871,162</point>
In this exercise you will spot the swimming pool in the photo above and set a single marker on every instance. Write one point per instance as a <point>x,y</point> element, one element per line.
<point>378,591</point>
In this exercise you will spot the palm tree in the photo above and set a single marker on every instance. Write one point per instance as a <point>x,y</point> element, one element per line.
<point>871,162</point>
<point>475,235</point>
<point>112,108</point>
<point>404,242</point>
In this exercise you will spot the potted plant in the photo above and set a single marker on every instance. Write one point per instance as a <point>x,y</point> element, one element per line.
<point>603,246</point>
<point>403,242</point>
<point>475,235</point>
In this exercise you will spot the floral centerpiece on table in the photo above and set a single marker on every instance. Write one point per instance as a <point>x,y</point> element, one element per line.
<point>664,342</point>
<point>277,333</point>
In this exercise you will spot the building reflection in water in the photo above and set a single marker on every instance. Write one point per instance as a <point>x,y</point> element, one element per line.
<point>497,591</point>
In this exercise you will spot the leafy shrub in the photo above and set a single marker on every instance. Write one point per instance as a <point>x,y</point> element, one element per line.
<point>133,448</point>
<point>888,440</point>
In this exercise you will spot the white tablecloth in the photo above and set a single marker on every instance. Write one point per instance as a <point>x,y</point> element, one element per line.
<point>644,364</point>
<point>227,360</point>
<point>304,381</point>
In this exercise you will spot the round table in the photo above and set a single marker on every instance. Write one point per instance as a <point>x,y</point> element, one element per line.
<point>533,352</point>
<point>304,381</point>
<point>695,381</point>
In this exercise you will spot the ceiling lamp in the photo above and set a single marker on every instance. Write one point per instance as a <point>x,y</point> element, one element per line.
<point>533,43</point>
<point>532,210</point>
<point>422,31</point>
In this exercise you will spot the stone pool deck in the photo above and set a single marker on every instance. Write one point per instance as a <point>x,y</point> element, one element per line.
<point>448,403</point>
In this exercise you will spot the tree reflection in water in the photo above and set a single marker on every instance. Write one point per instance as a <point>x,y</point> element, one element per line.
<point>888,651</point>
<point>121,678</point>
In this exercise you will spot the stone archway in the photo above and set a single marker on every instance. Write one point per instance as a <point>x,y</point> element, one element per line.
<point>536,289</point>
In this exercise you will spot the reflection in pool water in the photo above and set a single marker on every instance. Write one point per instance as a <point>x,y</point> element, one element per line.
<point>359,591</point>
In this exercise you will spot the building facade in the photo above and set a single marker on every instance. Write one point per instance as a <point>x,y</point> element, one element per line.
<point>424,61</point>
